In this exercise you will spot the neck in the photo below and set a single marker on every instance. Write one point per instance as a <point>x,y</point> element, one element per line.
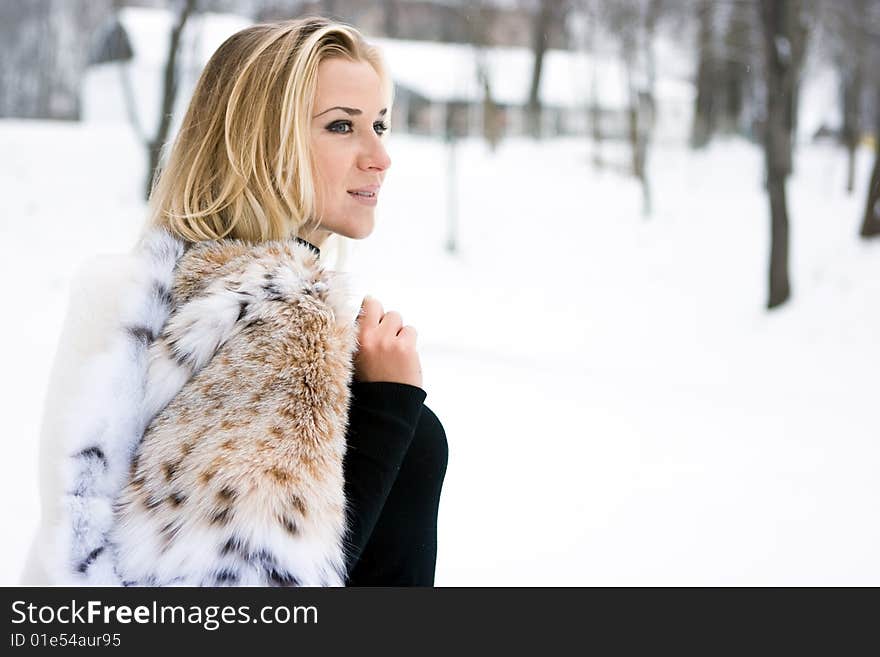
<point>315,236</point>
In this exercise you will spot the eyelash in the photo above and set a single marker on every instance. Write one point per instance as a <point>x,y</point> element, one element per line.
<point>335,124</point>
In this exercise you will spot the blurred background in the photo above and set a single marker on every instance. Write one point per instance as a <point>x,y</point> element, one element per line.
<point>638,239</point>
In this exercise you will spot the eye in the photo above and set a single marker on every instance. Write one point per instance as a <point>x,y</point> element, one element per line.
<point>334,127</point>
<point>380,127</point>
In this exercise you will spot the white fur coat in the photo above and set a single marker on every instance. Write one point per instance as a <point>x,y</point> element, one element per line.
<point>195,421</point>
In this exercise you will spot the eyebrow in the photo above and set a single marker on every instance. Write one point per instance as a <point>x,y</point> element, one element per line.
<point>351,111</point>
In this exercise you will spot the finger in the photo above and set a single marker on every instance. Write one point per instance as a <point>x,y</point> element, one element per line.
<point>408,333</point>
<point>391,321</point>
<point>371,312</point>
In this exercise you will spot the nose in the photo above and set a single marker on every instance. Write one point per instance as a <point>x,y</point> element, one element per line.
<point>374,156</point>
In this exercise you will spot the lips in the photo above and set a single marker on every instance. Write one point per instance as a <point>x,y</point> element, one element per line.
<point>365,195</point>
<point>369,191</point>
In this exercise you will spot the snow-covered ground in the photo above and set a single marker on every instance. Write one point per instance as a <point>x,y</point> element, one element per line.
<point>619,406</point>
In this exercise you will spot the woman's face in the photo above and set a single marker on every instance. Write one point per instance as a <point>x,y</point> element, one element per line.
<point>347,125</point>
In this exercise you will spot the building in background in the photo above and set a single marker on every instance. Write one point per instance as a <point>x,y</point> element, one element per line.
<point>440,88</point>
<point>502,23</point>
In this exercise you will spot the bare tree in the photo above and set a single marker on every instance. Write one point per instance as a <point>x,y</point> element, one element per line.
<point>637,34</point>
<point>851,131</point>
<point>595,107</point>
<point>871,25</point>
<point>479,17</point>
<point>704,107</point>
<point>646,99</point>
<point>547,13</point>
<point>843,22</point>
<point>170,81</point>
<point>492,114</point>
<point>782,28</point>
<point>587,19</point>
<point>735,69</point>
<point>871,220</point>
<point>634,23</point>
<point>390,18</point>
<point>852,83</point>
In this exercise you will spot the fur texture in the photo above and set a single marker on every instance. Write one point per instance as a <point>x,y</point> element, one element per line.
<point>207,443</point>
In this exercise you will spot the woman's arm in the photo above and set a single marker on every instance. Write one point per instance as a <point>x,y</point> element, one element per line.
<point>402,550</point>
<point>382,422</point>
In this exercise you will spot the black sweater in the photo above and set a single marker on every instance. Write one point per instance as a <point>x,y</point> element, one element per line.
<point>394,470</point>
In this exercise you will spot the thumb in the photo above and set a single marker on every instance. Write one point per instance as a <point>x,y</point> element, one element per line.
<point>370,312</point>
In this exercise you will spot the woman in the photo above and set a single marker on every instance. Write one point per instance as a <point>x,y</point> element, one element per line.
<point>216,416</point>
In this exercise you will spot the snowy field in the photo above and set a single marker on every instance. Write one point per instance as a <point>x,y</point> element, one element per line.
<point>620,408</point>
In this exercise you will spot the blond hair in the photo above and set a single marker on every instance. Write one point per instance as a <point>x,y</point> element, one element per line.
<point>241,165</point>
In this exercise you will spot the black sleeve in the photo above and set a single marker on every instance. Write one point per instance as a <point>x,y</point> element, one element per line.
<point>382,421</point>
<point>402,550</point>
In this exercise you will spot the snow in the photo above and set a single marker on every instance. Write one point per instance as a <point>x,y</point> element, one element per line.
<point>619,406</point>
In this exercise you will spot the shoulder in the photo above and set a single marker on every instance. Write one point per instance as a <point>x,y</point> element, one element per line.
<point>430,438</point>
<point>430,426</point>
<point>97,294</point>
<point>280,270</point>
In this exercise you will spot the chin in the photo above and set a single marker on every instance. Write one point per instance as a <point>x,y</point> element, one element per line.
<point>360,231</point>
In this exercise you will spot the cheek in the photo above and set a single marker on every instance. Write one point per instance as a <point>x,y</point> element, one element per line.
<point>323,179</point>
<point>331,164</point>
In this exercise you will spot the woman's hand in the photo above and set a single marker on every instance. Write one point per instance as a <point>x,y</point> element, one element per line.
<point>387,348</point>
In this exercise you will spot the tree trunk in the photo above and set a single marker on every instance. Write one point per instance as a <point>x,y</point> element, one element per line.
<point>389,9</point>
<point>797,35</point>
<point>169,93</point>
<point>492,117</point>
<point>852,79</point>
<point>850,167</point>
<point>540,39</point>
<point>704,108</point>
<point>596,123</point>
<point>130,100</point>
<point>647,102</point>
<point>780,288</point>
<point>629,51</point>
<point>871,221</point>
<point>780,19</point>
<point>595,110</point>
<point>632,114</point>
<point>738,48</point>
